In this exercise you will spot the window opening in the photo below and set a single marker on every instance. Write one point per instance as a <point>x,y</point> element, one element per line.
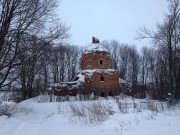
<point>101,62</point>
<point>102,79</point>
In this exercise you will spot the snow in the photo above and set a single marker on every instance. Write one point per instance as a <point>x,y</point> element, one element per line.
<point>70,85</point>
<point>34,118</point>
<point>90,72</point>
<point>97,47</point>
<point>81,78</point>
<point>122,81</point>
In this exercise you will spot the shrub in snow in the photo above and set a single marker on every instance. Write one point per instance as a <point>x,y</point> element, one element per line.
<point>123,107</point>
<point>77,110</point>
<point>4,96</point>
<point>91,112</point>
<point>7,108</point>
<point>23,109</point>
<point>11,108</point>
<point>45,97</point>
<point>14,96</point>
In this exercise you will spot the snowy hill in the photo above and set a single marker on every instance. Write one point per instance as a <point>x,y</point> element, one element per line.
<point>32,117</point>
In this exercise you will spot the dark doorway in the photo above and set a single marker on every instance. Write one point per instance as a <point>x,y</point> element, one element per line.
<point>110,93</point>
<point>102,94</point>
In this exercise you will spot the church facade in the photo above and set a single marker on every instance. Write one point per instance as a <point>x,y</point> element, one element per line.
<point>97,75</point>
<point>96,66</point>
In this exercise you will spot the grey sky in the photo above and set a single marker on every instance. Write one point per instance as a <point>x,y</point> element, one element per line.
<point>110,19</point>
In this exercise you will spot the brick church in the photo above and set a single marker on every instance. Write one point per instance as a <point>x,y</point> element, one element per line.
<point>97,76</point>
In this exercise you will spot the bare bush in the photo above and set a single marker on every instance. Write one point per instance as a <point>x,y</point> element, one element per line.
<point>61,109</point>
<point>23,109</point>
<point>10,109</point>
<point>123,107</point>
<point>97,111</point>
<point>6,109</point>
<point>152,106</point>
<point>13,96</point>
<point>45,97</point>
<point>4,96</point>
<point>77,110</point>
<point>91,112</point>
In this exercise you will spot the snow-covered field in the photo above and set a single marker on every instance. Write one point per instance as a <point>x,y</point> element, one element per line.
<point>31,117</point>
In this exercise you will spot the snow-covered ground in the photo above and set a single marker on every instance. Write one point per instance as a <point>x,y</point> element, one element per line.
<point>55,118</point>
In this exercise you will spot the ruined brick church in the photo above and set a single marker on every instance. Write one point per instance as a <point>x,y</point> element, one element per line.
<point>97,76</point>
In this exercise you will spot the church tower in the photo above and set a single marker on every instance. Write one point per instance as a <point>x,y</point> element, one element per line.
<point>96,66</point>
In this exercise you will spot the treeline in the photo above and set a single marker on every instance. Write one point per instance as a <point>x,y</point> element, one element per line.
<point>154,70</point>
<point>43,65</point>
<point>147,70</point>
<point>166,37</point>
<point>157,69</point>
<point>34,52</point>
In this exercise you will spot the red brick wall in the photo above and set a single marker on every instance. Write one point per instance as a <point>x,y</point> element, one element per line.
<point>109,85</point>
<point>92,61</point>
<point>109,80</point>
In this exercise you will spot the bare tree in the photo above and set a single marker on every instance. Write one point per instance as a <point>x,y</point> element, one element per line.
<point>31,56</point>
<point>64,62</point>
<point>17,19</point>
<point>166,37</point>
<point>72,61</point>
<point>133,68</point>
<point>113,48</point>
<point>124,61</point>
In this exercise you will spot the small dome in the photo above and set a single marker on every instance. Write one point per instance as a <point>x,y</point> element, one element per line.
<point>95,48</point>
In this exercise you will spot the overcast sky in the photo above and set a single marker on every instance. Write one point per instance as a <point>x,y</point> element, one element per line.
<point>110,19</point>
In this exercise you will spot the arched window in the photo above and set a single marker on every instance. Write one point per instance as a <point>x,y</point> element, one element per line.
<point>101,62</point>
<point>102,79</point>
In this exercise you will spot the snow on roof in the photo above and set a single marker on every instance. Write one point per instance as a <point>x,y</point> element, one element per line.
<point>81,78</point>
<point>95,48</point>
<point>89,73</point>
<point>70,85</point>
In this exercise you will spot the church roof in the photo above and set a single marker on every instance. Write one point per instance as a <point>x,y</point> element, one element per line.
<point>92,48</point>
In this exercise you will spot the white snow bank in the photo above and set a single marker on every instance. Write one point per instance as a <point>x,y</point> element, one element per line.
<point>55,118</point>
